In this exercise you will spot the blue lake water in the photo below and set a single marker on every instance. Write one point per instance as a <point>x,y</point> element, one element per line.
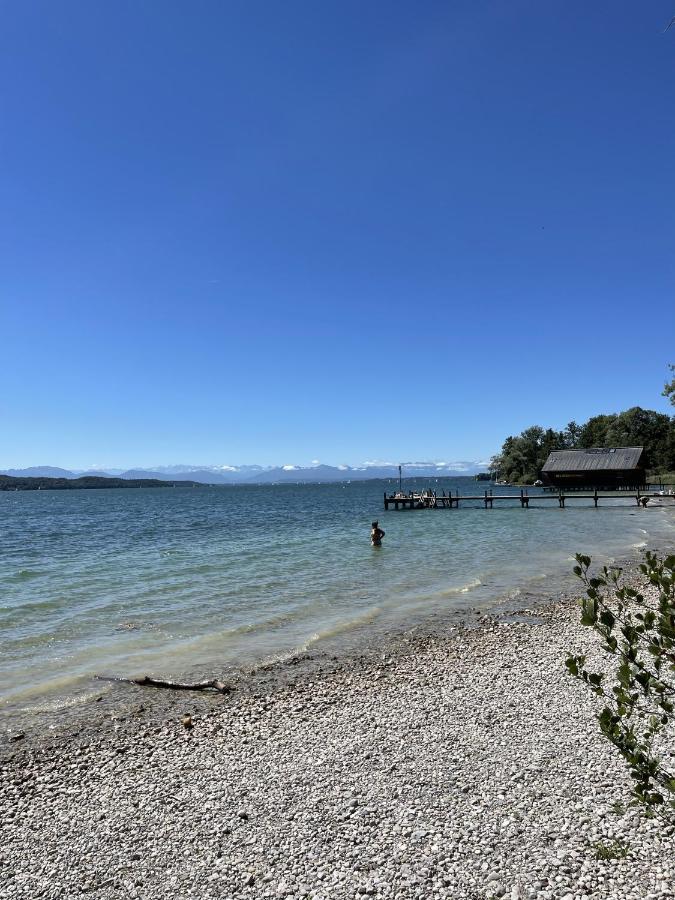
<point>175,580</point>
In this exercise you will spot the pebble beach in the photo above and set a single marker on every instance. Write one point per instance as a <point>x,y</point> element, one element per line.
<point>337,374</point>
<point>461,763</point>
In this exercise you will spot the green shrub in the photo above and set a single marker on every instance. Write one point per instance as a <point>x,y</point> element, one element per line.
<point>614,850</point>
<point>637,629</point>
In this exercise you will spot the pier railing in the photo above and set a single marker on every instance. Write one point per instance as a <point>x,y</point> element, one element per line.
<point>430,499</point>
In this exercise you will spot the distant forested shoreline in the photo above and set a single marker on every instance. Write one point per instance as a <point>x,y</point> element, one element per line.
<point>522,456</point>
<point>10,483</point>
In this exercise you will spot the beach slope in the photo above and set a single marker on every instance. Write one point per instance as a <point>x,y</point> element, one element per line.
<point>466,764</point>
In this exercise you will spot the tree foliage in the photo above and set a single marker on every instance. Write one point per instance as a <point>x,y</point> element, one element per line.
<point>522,457</point>
<point>637,632</point>
<point>669,387</point>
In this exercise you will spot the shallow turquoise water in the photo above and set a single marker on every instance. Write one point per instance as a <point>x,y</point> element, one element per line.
<point>171,580</point>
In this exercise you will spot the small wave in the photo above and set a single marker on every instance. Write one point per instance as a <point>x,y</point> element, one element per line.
<point>269,623</point>
<point>466,588</point>
<point>419,599</point>
<point>639,545</point>
<point>327,633</point>
<point>461,589</point>
<point>341,627</point>
<point>26,575</point>
<point>539,576</point>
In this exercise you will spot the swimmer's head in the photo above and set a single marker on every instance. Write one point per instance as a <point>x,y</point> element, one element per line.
<point>374,525</point>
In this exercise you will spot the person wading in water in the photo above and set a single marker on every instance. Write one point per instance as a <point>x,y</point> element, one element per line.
<point>376,535</point>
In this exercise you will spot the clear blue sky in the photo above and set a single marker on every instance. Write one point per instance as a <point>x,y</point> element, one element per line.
<point>277,232</point>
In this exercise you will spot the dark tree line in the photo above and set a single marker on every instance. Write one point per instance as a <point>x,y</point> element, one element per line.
<point>9,483</point>
<point>522,457</point>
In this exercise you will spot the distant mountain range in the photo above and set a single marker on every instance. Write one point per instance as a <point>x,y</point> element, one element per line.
<point>252,474</point>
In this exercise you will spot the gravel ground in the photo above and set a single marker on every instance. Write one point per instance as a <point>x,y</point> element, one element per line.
<point>464,765</point>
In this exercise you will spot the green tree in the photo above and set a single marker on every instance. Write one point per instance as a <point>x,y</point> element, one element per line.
<point>669,387</point>
<point>522,457</point>
<point>594,432</point>
<point>643,427</point>
<point>637,632</point>
<point>571,435</point>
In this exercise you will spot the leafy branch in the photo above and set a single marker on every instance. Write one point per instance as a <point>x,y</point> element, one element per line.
<point>637,630</point>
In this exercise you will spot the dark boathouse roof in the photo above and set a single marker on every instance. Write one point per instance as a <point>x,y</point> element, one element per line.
<point>596,459</point>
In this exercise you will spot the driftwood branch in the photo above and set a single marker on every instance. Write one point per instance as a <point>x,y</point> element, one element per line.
<point>147,681</point>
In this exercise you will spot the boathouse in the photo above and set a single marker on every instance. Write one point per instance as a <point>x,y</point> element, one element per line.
<point>596,467</point>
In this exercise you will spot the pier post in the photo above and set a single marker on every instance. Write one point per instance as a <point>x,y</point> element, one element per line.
<point>595,498</point>
<point>386,501</point>
<point>486,498</point>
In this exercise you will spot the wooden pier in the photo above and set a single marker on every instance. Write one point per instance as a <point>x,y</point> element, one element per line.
<point>432,500</point>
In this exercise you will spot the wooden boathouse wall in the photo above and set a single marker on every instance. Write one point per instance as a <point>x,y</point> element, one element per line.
<point>602,468</point>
